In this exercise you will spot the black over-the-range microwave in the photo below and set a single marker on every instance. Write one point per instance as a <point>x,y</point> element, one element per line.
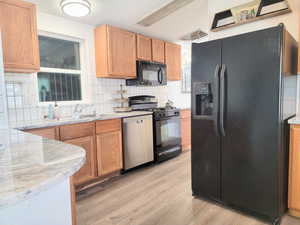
<point>149,74</point>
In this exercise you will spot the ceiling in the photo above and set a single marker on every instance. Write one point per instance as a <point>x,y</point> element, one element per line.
<point>126,14</point>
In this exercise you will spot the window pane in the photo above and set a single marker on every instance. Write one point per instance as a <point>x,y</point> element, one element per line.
<point>59,54</point>
<point>59,87</point>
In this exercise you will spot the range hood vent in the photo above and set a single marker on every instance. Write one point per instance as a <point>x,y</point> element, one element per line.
<point>164,12</point>
<point>194,36</point>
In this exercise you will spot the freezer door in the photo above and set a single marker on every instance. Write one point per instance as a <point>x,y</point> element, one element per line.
<point>250,88</point>
<point>206,59</point>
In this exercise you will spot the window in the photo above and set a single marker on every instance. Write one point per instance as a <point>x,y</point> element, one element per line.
<point>186,66</point>
<point>60,76</point>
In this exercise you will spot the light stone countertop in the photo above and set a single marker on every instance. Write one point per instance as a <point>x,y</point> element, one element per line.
<point>65,121</point>
<point>30,164</point>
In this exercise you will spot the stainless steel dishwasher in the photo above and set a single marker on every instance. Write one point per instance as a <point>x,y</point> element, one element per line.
<point>137,141</point>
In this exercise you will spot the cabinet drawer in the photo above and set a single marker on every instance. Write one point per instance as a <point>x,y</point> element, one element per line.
<point>105,126</point>
<point>50,132</point>
<point>73,131</point>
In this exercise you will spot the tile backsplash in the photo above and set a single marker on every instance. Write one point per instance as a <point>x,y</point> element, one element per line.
<point>24,106</point>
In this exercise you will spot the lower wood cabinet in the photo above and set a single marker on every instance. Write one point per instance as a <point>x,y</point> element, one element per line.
<point>102,141</point>
<point>186,129</point>
<point>109,152</point>
<point>294,171</point>
<point>109,146</point>
<point>88,170</point>
<point>73,202</point>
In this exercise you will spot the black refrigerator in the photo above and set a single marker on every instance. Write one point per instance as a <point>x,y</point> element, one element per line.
<point>243,93</point>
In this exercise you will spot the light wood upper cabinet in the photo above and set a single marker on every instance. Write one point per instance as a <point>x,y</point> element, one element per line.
<point>109,146</point>
<point>49,132</point>
<point>19,36</point>
<point>115,52</point>
<point>144,48</point>
<point>173,61</point>
<point>158,51</point>
<point>185,129</point>
<point>88,170</point>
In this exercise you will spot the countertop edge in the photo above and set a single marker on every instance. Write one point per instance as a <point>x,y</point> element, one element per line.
<point>25,195</point>
<point>14,199</point>
<point>45,124</point>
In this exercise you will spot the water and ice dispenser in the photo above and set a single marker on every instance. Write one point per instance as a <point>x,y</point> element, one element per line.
<point>203,99</point>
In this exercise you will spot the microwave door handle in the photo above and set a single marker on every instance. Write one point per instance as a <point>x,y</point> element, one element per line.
<point>159,76</point>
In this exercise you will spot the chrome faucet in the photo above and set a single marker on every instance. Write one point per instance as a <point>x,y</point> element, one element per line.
<point>77,111</point>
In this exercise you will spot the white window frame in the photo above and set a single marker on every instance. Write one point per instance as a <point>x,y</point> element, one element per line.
<point>81,72</point>
<point>183,66</point>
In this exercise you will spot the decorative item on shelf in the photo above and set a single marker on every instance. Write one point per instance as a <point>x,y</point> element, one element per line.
<point>245,12</point>
<point>249,12</point>
<point>123,101</point>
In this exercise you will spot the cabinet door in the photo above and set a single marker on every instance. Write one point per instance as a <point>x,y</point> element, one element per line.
<point>121,53</point>
<point>50,133</point>
<point>19,36</point>
<point>158,51</point>
<point>144,51</point>
<point>186,129</point>
<point>294,170</point>
<point>109,152</point>
<point>173,61</point>
<point>88,170</point>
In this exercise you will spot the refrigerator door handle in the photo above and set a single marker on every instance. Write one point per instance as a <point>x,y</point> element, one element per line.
<point>222,99</point>
<point>217,99</point>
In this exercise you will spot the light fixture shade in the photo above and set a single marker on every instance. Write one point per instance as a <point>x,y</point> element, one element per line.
<point>76,8</point>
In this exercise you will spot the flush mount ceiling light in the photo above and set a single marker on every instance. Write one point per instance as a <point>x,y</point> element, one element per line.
<point>76,8</point>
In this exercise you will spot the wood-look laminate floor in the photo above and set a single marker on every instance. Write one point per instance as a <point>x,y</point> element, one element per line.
<point>157,195</point>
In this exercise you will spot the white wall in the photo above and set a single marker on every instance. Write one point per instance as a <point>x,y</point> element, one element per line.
<point>49,207</point>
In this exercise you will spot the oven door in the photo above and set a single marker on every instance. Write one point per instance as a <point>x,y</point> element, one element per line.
<point>167,132</point>
<point>152,74</point>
